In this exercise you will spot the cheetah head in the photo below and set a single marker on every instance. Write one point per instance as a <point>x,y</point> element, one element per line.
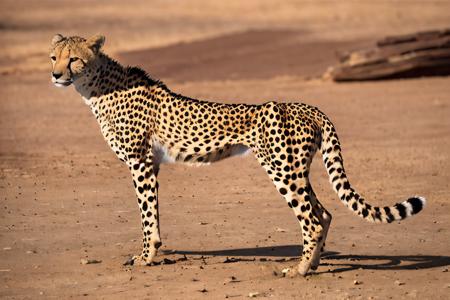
<point>71,55</point>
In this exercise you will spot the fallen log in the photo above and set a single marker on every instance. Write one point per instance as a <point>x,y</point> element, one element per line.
<point>413,55</point>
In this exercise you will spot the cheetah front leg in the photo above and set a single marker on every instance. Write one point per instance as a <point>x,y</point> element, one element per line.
<point>146,186</point>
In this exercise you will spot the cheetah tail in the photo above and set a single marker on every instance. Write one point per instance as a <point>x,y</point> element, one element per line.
<point>332,158</point>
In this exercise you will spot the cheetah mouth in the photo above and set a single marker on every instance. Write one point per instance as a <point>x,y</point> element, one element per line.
<point>63,83</point>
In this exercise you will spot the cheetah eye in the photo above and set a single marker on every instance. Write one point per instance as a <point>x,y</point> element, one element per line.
<point>53,58</point>
<point>72,59</point>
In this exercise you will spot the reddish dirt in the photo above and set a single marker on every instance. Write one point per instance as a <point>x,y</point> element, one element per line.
<point>65,196</point>
<point>261,54</point>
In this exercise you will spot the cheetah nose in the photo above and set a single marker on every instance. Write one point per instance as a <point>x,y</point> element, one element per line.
<point>57,75</point>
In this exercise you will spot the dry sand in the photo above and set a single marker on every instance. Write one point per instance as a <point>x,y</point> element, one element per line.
<point>65,197</point>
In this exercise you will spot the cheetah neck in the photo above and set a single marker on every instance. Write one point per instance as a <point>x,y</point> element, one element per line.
<point>102,77</point>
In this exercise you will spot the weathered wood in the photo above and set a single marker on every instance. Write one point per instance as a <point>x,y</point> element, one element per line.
<point>418,36</point>
<point>414,55</point>
<point>427,64</point>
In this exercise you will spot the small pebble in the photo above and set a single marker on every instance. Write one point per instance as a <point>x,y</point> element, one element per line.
<point>412,294</point>
<point>285,271</point>
<point>84,261</point>
<point>398,282</point>
<point>253,295</point>
<point>357,282</point>
<point>232,279</point>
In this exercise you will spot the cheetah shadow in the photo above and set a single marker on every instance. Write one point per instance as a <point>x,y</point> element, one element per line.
<point>337,262</point>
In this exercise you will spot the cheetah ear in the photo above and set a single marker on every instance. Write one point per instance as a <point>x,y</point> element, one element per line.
<point>57,38</point>
<point>96,42</point>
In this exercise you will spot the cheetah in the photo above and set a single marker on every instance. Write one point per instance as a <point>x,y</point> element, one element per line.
<point>146,124</point>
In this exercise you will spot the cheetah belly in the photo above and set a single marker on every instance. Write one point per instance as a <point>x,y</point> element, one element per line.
<point>217,154</point>
<point>239,149</point>
<point>161,154</point>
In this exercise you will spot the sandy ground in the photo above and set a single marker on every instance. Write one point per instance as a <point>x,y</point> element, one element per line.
<point>65,197</point>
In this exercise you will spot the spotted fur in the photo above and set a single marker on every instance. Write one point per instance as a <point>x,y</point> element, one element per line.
<point>146,124</point>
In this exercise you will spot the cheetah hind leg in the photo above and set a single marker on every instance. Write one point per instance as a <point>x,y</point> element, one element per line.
<point>325,221</point>
<point>313,227</point>
<point>311,253</point>
<point>314,222</point>
<point>311,250</point>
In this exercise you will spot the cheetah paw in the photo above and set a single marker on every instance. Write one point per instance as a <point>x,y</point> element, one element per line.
<point>137,260</point>
<point>303,268</point>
